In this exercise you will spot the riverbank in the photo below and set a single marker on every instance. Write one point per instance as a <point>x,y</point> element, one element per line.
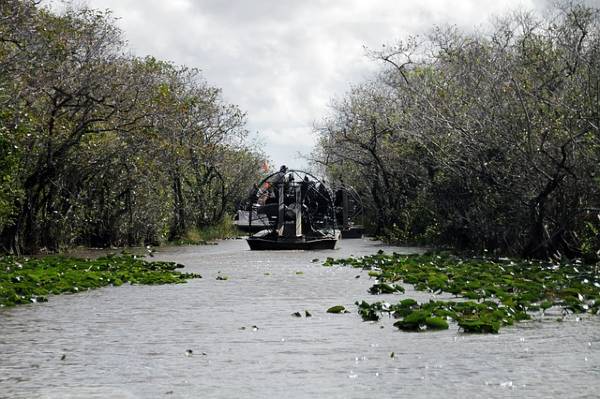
<point>29,280</point>
<point>206,235</point>
<point>488,293</point>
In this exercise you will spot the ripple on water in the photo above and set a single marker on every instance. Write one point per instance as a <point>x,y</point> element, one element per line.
<point>131,341</point>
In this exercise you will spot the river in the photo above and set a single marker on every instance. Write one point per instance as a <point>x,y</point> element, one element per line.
<point>135,341</point>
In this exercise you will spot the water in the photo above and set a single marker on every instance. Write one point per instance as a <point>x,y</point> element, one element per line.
<point>131,341</point>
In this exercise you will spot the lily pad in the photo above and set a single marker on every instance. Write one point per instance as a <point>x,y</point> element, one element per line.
<point>337,309</point>
<point>479,326</point>
<point>436,323</point>
<point>414,321</point>
<point>369,312</point>
<point>502,291</point>
<point>27,280</point>
<point>384,288</point>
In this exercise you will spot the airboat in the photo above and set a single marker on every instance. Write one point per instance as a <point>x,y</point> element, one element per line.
<point>348,211</point>
<point>294,210</point>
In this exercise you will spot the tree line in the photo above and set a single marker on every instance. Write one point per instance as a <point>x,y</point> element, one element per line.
<point>480,140</point>
<point>98,147</point>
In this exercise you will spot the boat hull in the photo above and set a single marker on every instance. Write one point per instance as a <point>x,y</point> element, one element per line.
<point>353,232</point>
<point>249,228</point>
<point>262,244</point>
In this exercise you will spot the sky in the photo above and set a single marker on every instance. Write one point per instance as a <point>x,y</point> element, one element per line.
<point>283,61</point>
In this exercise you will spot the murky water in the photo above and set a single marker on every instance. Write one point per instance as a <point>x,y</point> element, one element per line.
<point>131,341</point>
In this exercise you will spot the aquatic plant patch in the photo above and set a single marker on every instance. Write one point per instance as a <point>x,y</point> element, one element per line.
<point>490,293</point>
<point>384,288</point>
<point>26,280</point>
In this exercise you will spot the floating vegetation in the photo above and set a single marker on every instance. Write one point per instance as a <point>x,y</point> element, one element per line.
<point>491,293</point>
<point>337,309</point>
<point>27,280</point>
<point>384,288</point>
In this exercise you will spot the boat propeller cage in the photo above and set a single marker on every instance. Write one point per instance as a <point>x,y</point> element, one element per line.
<point>291,204</point>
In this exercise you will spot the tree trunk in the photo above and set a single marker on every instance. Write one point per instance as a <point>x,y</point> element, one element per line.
<point>178,227</point>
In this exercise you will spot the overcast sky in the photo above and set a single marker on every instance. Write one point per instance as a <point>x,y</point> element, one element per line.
<point>282,61</point>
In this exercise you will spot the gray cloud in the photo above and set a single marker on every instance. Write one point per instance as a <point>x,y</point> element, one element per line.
<point>283,60</point>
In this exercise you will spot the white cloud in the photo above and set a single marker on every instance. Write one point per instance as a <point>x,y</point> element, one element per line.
<point>282,61</point>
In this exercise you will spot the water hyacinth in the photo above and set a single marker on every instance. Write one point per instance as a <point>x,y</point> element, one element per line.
<point>491,293</point>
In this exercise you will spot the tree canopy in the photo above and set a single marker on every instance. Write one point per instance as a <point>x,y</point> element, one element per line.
<point>98,147</point>
<point>480,140</point>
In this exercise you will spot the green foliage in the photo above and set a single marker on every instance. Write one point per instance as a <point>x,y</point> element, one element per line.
<point>384,288</point>
<point>369,312</point>
<point>9,189</point>
<point>421,320</point>
<point>500,291</point>
<point>436,323</point>
<point>484,141</point>
<point>590,239</point>
<point>100,148</point>
<point>337,309</point>
<point>27,280</point>
<point>225,229</point>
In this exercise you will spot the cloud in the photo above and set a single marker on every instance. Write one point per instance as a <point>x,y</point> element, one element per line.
<point>282,61</point>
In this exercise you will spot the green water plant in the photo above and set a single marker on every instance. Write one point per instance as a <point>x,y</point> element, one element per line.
<point>385,288</point>
<point>27,280</point>
<point>490,292</point>
<point>337,309</point>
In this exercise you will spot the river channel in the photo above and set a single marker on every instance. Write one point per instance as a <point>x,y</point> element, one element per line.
<point>135,341</point>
